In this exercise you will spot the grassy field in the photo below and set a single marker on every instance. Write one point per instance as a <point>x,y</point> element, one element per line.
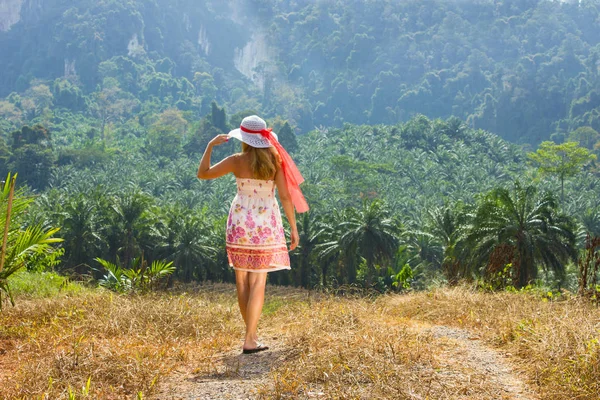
<point>64,339</point>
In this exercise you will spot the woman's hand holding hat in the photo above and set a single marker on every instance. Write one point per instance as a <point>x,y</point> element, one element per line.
<point>218,140</point>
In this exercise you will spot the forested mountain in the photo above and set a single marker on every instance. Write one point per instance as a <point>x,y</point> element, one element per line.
<point>415,119</point>
<point>521,69</point>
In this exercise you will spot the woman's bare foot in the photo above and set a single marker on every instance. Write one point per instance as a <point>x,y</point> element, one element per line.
<point>250,343</point>
<point>255,349</point>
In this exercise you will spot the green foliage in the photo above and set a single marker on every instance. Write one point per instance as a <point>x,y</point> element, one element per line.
<point>449,225</point>
<point>589,269</point>
<point>427,173</point>
<point>520,228</point>
<point>86,157</point>
<point>371,233</point>
<point>165,136</point>
<point>287,138</point>
<point>31,155</point>
<point>561,160</point>
<point>218,118</point>
<point>42,284</point>
<point>139,278</point>
<point>68,95</point>
<point>24,245</point>
<point>402,279</point>
<point>586,137</point>
<point>121,189</point>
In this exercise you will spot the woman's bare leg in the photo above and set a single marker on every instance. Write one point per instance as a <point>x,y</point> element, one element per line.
<point>256,283</point>
<point>243,291</point>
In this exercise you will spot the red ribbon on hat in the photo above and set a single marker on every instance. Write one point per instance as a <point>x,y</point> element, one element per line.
<point>293,178</point>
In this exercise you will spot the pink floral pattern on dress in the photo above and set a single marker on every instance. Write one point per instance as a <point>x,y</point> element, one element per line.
<point>255,236</point>
<point>249,221</point>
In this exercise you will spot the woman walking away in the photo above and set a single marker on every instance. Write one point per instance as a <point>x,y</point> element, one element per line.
<point>255,238</point>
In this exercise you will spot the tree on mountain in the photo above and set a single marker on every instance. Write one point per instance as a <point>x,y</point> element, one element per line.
<point>166,135</point>
<point>10,112</point>
<point>68,95</point>
<point>287,138</point>
<point>218,117</point>
<point>32,155</point>
<point>586,137</point>
<point>37,100</point>
<point>112,104</point>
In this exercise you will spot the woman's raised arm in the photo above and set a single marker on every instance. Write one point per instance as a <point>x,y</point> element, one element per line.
<point>205,171</point>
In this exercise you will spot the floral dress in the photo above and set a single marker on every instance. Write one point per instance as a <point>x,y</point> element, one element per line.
<point>255,236</point>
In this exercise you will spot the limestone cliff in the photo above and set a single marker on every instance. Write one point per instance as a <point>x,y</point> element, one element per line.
<point>10,13</point>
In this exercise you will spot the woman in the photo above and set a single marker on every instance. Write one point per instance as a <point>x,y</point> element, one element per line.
<point>255,237</point>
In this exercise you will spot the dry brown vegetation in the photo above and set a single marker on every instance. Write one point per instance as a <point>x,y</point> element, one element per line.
<point>328,347</point>
<point>556,344</point>
<point>125,344</point>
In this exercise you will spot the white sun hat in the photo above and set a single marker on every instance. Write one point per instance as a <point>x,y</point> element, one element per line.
<point>250,130</point>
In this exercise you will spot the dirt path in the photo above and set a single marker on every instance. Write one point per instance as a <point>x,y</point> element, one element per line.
<point>462,357</point>
<point>236,376</point>
<point>465,356</point>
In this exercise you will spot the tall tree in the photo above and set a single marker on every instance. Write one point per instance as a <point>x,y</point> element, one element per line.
<point>303,257</point>
<point>287,138</point>
<point>185,241</point>
<point>561,160</point>
<point>32,155</point>
<point>218,118</point>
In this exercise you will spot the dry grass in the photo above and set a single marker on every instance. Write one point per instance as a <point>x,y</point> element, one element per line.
<point>124,344</point>
<point>556,344</point>
<point>333,347</point>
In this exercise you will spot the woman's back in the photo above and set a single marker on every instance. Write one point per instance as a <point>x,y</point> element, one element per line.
<point>251,186</point>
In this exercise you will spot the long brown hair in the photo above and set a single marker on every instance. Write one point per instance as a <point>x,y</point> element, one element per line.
<point>263,162</point>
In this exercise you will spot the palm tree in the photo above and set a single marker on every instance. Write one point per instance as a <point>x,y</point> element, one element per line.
<point>591,222</point>
<point>425,250</point>
<point>186,241</point>
<point>370,232</point>
<point>448,225</point>
<point>132,222</point>
<point>523,229</point>
<point>80,231</point>
<point>328,249</point>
